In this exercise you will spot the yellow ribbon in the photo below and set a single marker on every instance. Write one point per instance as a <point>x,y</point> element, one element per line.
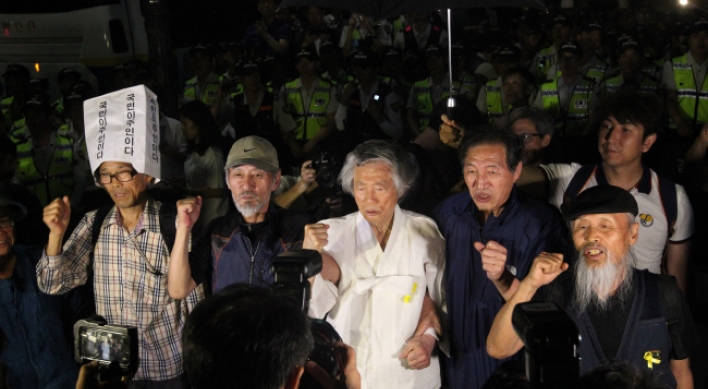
<point>407,298</point>
<point>649,357</point>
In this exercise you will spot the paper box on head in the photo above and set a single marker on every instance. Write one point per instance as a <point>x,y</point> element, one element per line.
<point>124,126</point>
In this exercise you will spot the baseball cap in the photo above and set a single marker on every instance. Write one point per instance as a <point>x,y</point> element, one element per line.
<point>560,19</point>
<point>591,26</point>
<point>247,66</point>
<point>67,73</point>
<point>701,25</point>
<point>306,53</point>
<point>79,93</point>
<point>507,54</point>
<point>199,48</point>
<point>434,50</point>
<point>569,48</point>
<point>5,200</point>
<point>253,150</point>
<point>393,52</point>
<point>37,101</point>
<point>629,44</point>
<point>328,47</point>
<point>18,70</point>
<point>364,58</point>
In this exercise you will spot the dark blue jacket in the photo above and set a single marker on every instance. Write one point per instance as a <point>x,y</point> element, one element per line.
<point>224,254</point>
<point>526,227</point>
<point>35,328</point>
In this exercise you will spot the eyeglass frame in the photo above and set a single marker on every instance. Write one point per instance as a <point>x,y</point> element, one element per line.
<point>12,223</point>
<point>98,176</point>
<point>527,137</point>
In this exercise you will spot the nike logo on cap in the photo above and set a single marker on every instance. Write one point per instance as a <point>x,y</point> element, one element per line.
<point>247,150</point>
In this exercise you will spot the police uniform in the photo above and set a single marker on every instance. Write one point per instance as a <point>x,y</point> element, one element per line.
<point>58,179</point>
<point>422,97</point>
<point>571,118</point>
<point>355,118</point>
<point>192,90</point>
<point>688,78</point>
<point>654,227</point>
<point>644,84</point>
<point>308,107</point>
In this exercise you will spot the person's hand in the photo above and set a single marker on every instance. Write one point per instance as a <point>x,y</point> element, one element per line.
<point>309,146</point>
<point>351,374</point>
<point>261,28</point>
<point>493,258</point>
<point>545,268</point>
<point>703,135</point>
<point>315,237</point>
<point>87,379</point>
<point>348,92</point>
<point>417,351</point>
<point>308,175</point>
<point>352,22</point>
<point>188,211</point>
<point>57,214</point>
<point>451,133</point>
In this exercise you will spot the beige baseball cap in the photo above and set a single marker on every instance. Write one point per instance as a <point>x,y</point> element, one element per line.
<point>253,150</point>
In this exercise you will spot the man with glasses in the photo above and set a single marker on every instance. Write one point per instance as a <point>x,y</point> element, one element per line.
<point>127,265</point>
<point>535,130</point>
<point>33,325</point>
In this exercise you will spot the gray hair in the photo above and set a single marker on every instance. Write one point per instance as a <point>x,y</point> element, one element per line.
<point>400,161</point>
<point>541,119</point>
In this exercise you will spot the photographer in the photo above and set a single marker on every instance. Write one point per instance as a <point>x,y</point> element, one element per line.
<point>243,243</point>
<point>250,337</point>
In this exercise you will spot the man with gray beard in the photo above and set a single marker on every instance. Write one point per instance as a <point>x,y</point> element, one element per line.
<point>240,246</point>
<point>621,313</point>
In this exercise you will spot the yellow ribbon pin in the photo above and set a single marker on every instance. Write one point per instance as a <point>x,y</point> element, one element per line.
<point>651,360</point>
<point>407,298</point>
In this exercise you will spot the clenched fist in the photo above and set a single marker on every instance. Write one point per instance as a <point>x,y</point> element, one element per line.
<point>188,211</point>
<point>57,214</point>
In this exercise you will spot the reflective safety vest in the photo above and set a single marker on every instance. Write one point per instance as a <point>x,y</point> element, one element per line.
<point>597,71</point>
<point>59,180</point>
<point>692,100</point>
<point>545,58</point>
<point>570,120</point>
<point>6,108</point>
<point>309,121</point>
<point>58,106</point>
<point>209,93</point>
<point>495,106</point>
<point>425,101</point>
<point>648,86</point>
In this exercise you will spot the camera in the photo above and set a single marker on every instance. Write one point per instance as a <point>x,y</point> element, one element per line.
<point>115,347</point>
<point>551,342</point>
<point>326,168</point>
<point>291,271</point>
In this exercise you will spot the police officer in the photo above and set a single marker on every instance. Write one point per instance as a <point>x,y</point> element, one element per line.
<point>307,106</point>
<point>413,41</point>
<point>489,100</point>
<point>45,159</point>
<point>66,79</point>
<point>15,78</point>
<point>204,86</point>
<point>631,60</point>
<point>684,78</point>
<point>427,92</point>
<point>567,97</point>
<point>547,58</point>
<point>368,109</point>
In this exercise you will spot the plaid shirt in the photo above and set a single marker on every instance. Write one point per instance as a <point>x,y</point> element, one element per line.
<point>130,285</point>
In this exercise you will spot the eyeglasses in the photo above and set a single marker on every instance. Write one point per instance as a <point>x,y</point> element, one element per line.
<point>527,137</point>
<point>7,223</point>
<point>122,176</point>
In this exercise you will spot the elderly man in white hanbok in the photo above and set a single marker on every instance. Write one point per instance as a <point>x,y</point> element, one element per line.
<point>378,265</point>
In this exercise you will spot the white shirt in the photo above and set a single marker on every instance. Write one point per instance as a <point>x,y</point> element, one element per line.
<point>377,304</point>
<point>653,225</point>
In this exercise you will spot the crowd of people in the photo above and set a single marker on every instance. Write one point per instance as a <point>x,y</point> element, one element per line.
<point>563,160</point>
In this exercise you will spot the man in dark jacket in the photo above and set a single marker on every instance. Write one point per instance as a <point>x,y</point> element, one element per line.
<point>507,230</point>
<point>240,246</point>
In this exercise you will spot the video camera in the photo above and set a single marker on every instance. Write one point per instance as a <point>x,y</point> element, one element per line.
<point>115,347</point>
<point>292,270</point>
<point>551,342</point>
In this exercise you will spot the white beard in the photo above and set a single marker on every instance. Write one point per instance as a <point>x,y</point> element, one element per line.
<point>593,285</point>
<point>249,209</point>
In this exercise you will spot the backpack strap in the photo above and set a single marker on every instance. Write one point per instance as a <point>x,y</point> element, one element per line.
<point>167,216</point>
<point>667,191</point>
<point>672,302</point>
<point>101,214</point>
<point>578,182</point>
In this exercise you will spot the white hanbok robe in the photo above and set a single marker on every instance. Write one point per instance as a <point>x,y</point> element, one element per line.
<point>377,304</point>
